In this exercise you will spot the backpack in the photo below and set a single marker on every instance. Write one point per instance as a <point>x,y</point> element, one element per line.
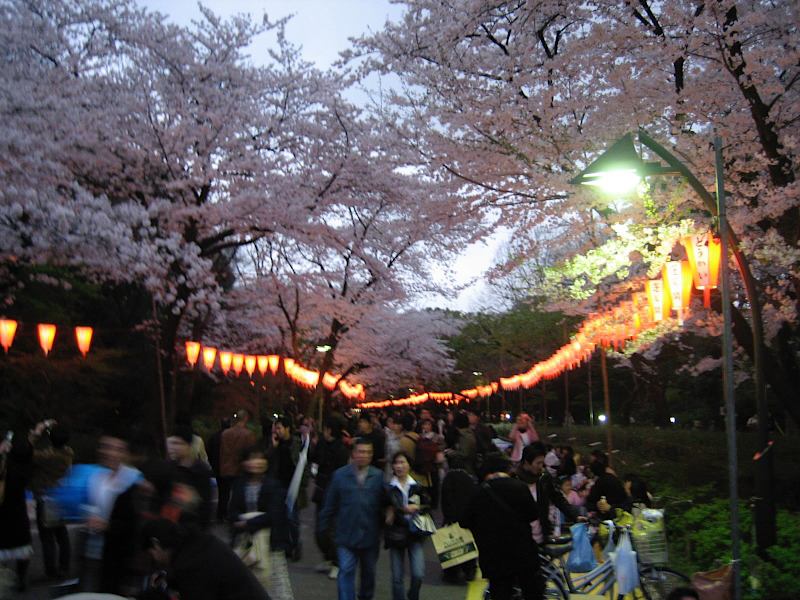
<point>426,453</point>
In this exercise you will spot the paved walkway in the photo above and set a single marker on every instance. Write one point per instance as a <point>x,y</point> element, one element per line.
<point>306,584</point>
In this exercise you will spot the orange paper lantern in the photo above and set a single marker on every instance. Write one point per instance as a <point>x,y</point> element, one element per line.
<point>83,335</point>
<point>225,359</point>
<point>192,352</point>
<point>288,365</point>
<point>704,252</point>
<point>263,364</point>
<point>678,276</point>
<point>7,330</point>
<point>47,334</point>
<point>209,356</point>
<point>238,363</point>
<point>657,300</point>
<point>250,364</point>
<point>274,362</point>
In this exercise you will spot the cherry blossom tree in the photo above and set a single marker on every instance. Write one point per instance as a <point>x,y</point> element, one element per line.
<point>149,153</point>
<point>516,97</point>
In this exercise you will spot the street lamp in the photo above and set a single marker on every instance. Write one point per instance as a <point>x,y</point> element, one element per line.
<point>620,169</point>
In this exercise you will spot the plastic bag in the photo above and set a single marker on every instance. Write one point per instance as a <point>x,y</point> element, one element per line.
<point>421,525</point>
<point>609,547</point>
<point>581,557</point>
<point>625,567</point>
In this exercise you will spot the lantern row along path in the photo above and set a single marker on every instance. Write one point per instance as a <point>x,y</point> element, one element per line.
<point>306,584</point>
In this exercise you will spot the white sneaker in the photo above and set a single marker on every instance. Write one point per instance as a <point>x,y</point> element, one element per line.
<point>333,573</point>
<point>323,567</point>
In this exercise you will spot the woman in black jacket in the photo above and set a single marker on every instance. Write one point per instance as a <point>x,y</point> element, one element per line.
<point>258,503</point>
<point>405,499</point>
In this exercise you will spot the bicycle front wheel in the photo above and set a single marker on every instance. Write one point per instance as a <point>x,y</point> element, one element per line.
<point>658,582</point>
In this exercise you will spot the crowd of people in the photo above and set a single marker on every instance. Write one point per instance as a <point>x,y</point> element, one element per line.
<point>147,512</point>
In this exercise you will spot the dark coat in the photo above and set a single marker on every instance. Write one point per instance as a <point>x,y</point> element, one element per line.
<point>198,476</point>
<point>499,515</point>
<point>457,489</point>
<point>547,494</point>
<point>15,528</point>
<point>329,456</point>
<point>272,502</point>
<point>213,444</point>
<point>609,486</point>
<point>397,535</point>
<point>204,568</point>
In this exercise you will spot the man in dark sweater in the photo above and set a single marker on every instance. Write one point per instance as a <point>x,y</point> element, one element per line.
<point>499,515</point>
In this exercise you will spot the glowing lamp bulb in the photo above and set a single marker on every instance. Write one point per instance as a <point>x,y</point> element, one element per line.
<point>620,181</point>
<point>602,418</point>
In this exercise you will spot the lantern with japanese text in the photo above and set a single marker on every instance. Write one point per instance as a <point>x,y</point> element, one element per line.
<point>704,252</point>
<point>7,330</point>
<point>657,300</point>
<point>83,335</point>
<point>678,276</point>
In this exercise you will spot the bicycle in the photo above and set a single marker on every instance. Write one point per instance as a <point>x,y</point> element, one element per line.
<point>648,538</point>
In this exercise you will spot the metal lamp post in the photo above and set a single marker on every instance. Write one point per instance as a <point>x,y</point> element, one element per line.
<point>620,169</point>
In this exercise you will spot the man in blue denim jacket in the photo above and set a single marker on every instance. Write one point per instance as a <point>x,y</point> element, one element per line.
<point>355,499</point>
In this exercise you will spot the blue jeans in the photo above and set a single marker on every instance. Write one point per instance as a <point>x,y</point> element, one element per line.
<point>346,582</point>
<point>416,560</point>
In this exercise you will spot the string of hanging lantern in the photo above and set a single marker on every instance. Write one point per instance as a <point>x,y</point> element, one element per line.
<point>250,363</point>
<point>46,333</point>
<point>616,325</point>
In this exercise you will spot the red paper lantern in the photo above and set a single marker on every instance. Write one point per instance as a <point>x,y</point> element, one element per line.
<point>238,363</point>
<point>250,364</point>
<point>678,276</point>
<point>704,252</point>
<point>225,359</point>
<point>83,335</point>
<point>192,352</point>
<point>657,300</point>
<point>7,330</point>
<point>47,334</point>
<point>209,356</point>
<point>263,364</point>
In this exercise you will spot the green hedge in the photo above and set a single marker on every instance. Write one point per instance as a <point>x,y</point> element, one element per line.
<point>700,540</point>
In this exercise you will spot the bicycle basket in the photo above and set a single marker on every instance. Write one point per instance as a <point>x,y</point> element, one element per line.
<point>650,537</point>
